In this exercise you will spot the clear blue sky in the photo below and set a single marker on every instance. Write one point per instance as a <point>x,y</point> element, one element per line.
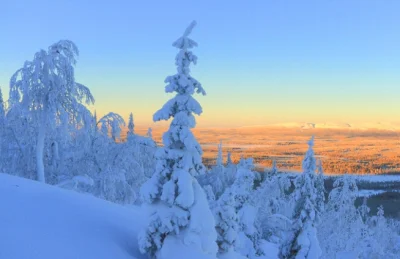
<point>259,61</point>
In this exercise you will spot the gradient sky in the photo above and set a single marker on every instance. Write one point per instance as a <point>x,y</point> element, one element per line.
<point>260,62</point>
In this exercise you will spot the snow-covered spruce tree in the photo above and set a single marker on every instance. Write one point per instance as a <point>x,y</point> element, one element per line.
<point>230,170</point>
<point>342,224</point>
<point>131,125</point>
<point>216,176</point>
<point>219,161</point>
<point>364,210</point>
<point>381,241</point>
<point>181,220</point>
<point>274,206</point>
<point>149,133</point>
<point>229,159</point>
<point>303,242</point>
<point>249,232</point>
<point>227,225</point>
<point>45,88</point>
<point>270,173</point>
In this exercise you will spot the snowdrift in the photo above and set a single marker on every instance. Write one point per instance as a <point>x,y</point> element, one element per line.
<point>39,221</point>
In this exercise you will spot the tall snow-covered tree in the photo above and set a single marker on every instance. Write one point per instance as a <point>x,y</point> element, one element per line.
<point>302,242</point>
<point>45,89</point>
<point>180,216</point>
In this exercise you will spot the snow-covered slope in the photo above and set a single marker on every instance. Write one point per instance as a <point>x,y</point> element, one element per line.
<point>42,221</point>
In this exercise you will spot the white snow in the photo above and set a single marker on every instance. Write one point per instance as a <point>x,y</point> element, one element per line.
<point>39,221</point>
<point>369,193</point>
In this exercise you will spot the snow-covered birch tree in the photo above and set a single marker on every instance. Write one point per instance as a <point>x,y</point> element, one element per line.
<point>180,216</point>
<point>45,88</point>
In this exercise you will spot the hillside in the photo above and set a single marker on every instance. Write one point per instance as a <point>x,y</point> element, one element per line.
<point>39,221</point>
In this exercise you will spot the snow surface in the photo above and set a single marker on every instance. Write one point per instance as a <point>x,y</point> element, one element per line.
<point>385,125</point>
<point>377,178</point>
<point>369,193</point>
<point>39,221</point>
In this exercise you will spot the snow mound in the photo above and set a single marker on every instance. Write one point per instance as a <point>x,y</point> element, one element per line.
<point>43,221</point>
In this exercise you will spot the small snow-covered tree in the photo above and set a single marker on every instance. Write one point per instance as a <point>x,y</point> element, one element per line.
<point>114,121</point>
<point>249,232</point>
<point>219,161</point>
<point>150,133</point>
<point>230,170</point>
<point>114,187</point>
<point>343,194</point>
<point>270,173</point>
<point>274,206</point>
<point>45,89</point>
<point>378,240</point>
<point>302,242</point>
<point>216,177</point>
<point>227,225</point>
<point>364,210</point>
<point>131,126</point>
<point>229,159</point>
<point>342,224</point>
<point>180,216</point>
